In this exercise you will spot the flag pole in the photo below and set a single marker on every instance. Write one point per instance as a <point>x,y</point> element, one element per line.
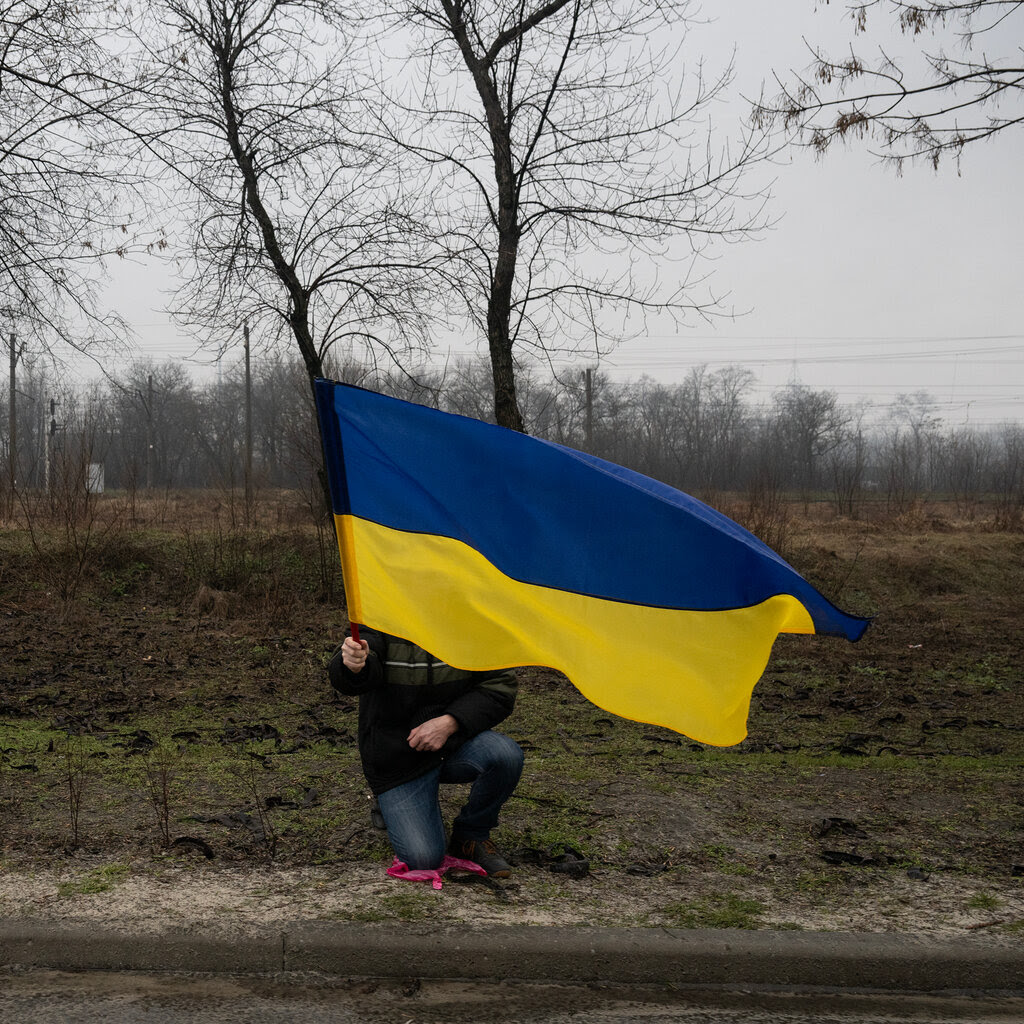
<point>325,415</point>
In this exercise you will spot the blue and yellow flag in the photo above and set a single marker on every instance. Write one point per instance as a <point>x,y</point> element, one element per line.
<point>493,549</point>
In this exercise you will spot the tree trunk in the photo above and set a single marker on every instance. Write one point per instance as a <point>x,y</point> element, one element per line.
<point>499,302</point>
<point>285,270</point>
<point>499,342</point>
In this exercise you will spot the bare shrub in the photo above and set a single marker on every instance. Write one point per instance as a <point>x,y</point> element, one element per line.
<point>68,524</point>
<point>767,514</point>
<point>76,777</point>
<point>1008,479</point>
<point>214,604</point>
<point>262,828</point>
<point>160,768</point>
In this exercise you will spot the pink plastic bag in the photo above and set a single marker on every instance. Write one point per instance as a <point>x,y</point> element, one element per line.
<point>399,869</point>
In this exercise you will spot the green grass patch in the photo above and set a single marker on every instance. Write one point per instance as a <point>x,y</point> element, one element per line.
<point>984,901</point>
<point>412,902</point>
<point>725,911</point>
<point>96,881</point>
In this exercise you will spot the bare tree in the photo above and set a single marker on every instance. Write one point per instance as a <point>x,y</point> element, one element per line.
<point>160,429</point>
<point>847,462</point>
<point>910,449</point>
<point>966,461</point>
<point>712,423</point>
<point>567,140</point>
<point>1008,477</point>
<point>657,430</point>
<point>297,212</point>
<point>808,425</point>
<point>971,85</point>
<point>63,176</point>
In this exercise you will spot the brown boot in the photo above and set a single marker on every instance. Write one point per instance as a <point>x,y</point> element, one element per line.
<point>482,852</point>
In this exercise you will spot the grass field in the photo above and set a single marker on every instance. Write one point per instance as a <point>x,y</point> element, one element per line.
<point>163,701</point>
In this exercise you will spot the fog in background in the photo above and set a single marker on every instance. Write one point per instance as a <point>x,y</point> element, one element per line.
<point>869,284</point>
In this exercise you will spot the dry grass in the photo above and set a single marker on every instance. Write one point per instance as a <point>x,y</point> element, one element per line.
<point>176,704</point>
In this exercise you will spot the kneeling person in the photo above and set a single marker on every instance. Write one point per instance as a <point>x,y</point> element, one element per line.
<point>421,723</point>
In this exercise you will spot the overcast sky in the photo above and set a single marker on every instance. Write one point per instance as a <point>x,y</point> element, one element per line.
<point>868,284</point>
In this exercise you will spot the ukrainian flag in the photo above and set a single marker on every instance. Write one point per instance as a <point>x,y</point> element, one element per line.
<point>493,549</point>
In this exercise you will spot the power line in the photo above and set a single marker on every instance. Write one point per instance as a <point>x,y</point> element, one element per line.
<point>678,359</point>
<point>741,339</point>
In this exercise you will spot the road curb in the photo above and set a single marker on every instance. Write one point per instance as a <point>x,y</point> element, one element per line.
<point>883,962</point>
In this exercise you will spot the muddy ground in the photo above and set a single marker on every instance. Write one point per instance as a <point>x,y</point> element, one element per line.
<point>170,751</point>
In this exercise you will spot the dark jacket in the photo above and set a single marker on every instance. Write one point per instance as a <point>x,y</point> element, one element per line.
<point>402,686</point>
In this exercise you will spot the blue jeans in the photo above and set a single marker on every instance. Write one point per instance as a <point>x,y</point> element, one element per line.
<point>412,811</point>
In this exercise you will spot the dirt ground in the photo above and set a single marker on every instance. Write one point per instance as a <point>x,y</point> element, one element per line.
<point>171,754</point>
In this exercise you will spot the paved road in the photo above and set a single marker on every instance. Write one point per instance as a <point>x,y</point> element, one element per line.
<point>36,996</point>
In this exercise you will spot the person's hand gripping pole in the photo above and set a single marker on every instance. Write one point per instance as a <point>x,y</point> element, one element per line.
<point>354,651</point>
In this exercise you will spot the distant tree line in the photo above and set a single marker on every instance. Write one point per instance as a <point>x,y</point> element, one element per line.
<point>340,175</point>
<point>543,175</point>
<point>154,426</point>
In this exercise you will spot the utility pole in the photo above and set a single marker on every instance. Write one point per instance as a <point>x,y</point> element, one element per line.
<point>248,428</point>
<point>50,440</point>
<point>588,383</point>
<point>149,434</point>
<point>12,434</point>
